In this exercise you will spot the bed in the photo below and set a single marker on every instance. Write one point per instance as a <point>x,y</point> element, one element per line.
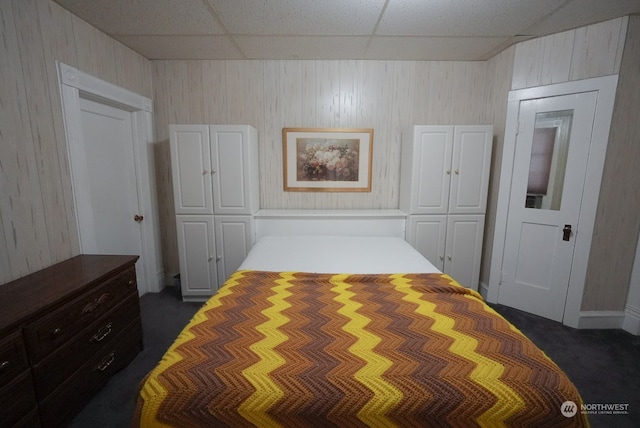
<point>351,331</point>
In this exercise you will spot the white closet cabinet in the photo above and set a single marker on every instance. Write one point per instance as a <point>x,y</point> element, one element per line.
<point>215,185</point>
<point>197,256</point>
<point>234,239</point>
<point>444,183</point>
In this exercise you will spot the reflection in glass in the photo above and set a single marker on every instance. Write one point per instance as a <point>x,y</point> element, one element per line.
<point>548,159</point>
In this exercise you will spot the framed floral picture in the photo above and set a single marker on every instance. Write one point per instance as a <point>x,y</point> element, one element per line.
<point>327,159</point>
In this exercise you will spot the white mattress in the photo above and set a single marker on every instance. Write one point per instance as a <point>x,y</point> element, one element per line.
<point>336,254</point>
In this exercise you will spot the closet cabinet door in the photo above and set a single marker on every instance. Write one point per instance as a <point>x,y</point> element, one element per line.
<point>191,169</point>
<point>197,255</point>
<point>463,250</point>
<point>234,160</point>
<point>234,239</point>
<point>426,169</point>
<point>427,233</point>
<point>470,165</point>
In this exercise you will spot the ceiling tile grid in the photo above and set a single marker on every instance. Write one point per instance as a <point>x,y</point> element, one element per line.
<point>465,30</point>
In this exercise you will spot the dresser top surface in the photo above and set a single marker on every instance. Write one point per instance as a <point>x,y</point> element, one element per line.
<point>30,294</point>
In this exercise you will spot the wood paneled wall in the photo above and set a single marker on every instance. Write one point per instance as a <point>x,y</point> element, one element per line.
<point>592,51</point>
<point>500,72</point>
<point>384,95</point>
<point>618,215</point>
<point>37,220</point>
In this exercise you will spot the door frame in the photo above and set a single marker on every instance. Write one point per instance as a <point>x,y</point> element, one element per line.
<point>606,89</point>
<point>75,84</point>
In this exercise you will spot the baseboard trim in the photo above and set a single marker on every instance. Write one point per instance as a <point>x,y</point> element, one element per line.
<point>631,322</point>
<point>601,319</point>
<point>484,290</point>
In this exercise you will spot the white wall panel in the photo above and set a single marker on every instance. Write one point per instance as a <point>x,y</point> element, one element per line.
<point>618,217</point>
<point>556,60</point>
<point>471,85</point>
<point>48,169</point>
<point>245,80</point>
<point>214,87</point>
<point>597,49</point>
<point>499,70</point>
<point>592,51</point>
<point>56,26</point>
<point>439,90</point>
<point>95,50</point>
<point>25,238</point>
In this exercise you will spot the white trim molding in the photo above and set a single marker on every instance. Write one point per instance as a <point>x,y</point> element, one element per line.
<point>600,320</point>
<point>484,290</point>
<point>75,84</point>
<point>94,88</point>
<point>631,320</point>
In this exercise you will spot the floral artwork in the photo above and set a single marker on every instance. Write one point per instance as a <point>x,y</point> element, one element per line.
<point>327,160</point>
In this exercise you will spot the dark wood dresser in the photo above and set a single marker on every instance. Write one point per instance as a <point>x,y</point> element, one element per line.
<point>64,331</point>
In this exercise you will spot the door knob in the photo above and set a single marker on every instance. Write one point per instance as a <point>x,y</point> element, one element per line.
<point>566,232</point>
<point>138,218</point>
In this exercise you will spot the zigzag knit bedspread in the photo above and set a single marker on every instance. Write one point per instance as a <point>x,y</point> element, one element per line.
<point>300,349</point>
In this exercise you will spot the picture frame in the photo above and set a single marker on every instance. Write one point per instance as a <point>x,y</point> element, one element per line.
<point>327,159</point>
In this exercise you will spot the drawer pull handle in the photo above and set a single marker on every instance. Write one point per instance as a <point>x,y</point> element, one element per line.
<point>91,306</point>
<point>4,365</point>
<point>56,332</point>
<point>102,332</point>
<point>106,362</point>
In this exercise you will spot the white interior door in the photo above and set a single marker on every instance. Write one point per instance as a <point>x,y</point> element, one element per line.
<point>551,155</point>
<point>107,200</point>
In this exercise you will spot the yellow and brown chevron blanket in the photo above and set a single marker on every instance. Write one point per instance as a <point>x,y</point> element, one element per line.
<point>299,349</point>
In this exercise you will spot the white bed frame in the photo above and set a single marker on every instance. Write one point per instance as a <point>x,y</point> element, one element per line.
<point>330,222</point>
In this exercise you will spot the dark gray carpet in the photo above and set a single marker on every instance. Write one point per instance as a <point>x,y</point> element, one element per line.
<point>603,364</point>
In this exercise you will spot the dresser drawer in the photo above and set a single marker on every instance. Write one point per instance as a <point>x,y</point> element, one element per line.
<point>79,388</point>
<point>31,420</point>
<point>13,357</point>
<point>54,329</point>
<point>52,371</point>
<point>17,399</point>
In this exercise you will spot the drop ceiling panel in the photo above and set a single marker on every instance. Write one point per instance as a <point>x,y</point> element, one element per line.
<point>146,16</point>
<point>182,47</point>
<point>584,12</point>
<point>289,47</point>
<point>433,48</point>
<point>306,17</point>
<point>337,29</point>
<point>463,17</point>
